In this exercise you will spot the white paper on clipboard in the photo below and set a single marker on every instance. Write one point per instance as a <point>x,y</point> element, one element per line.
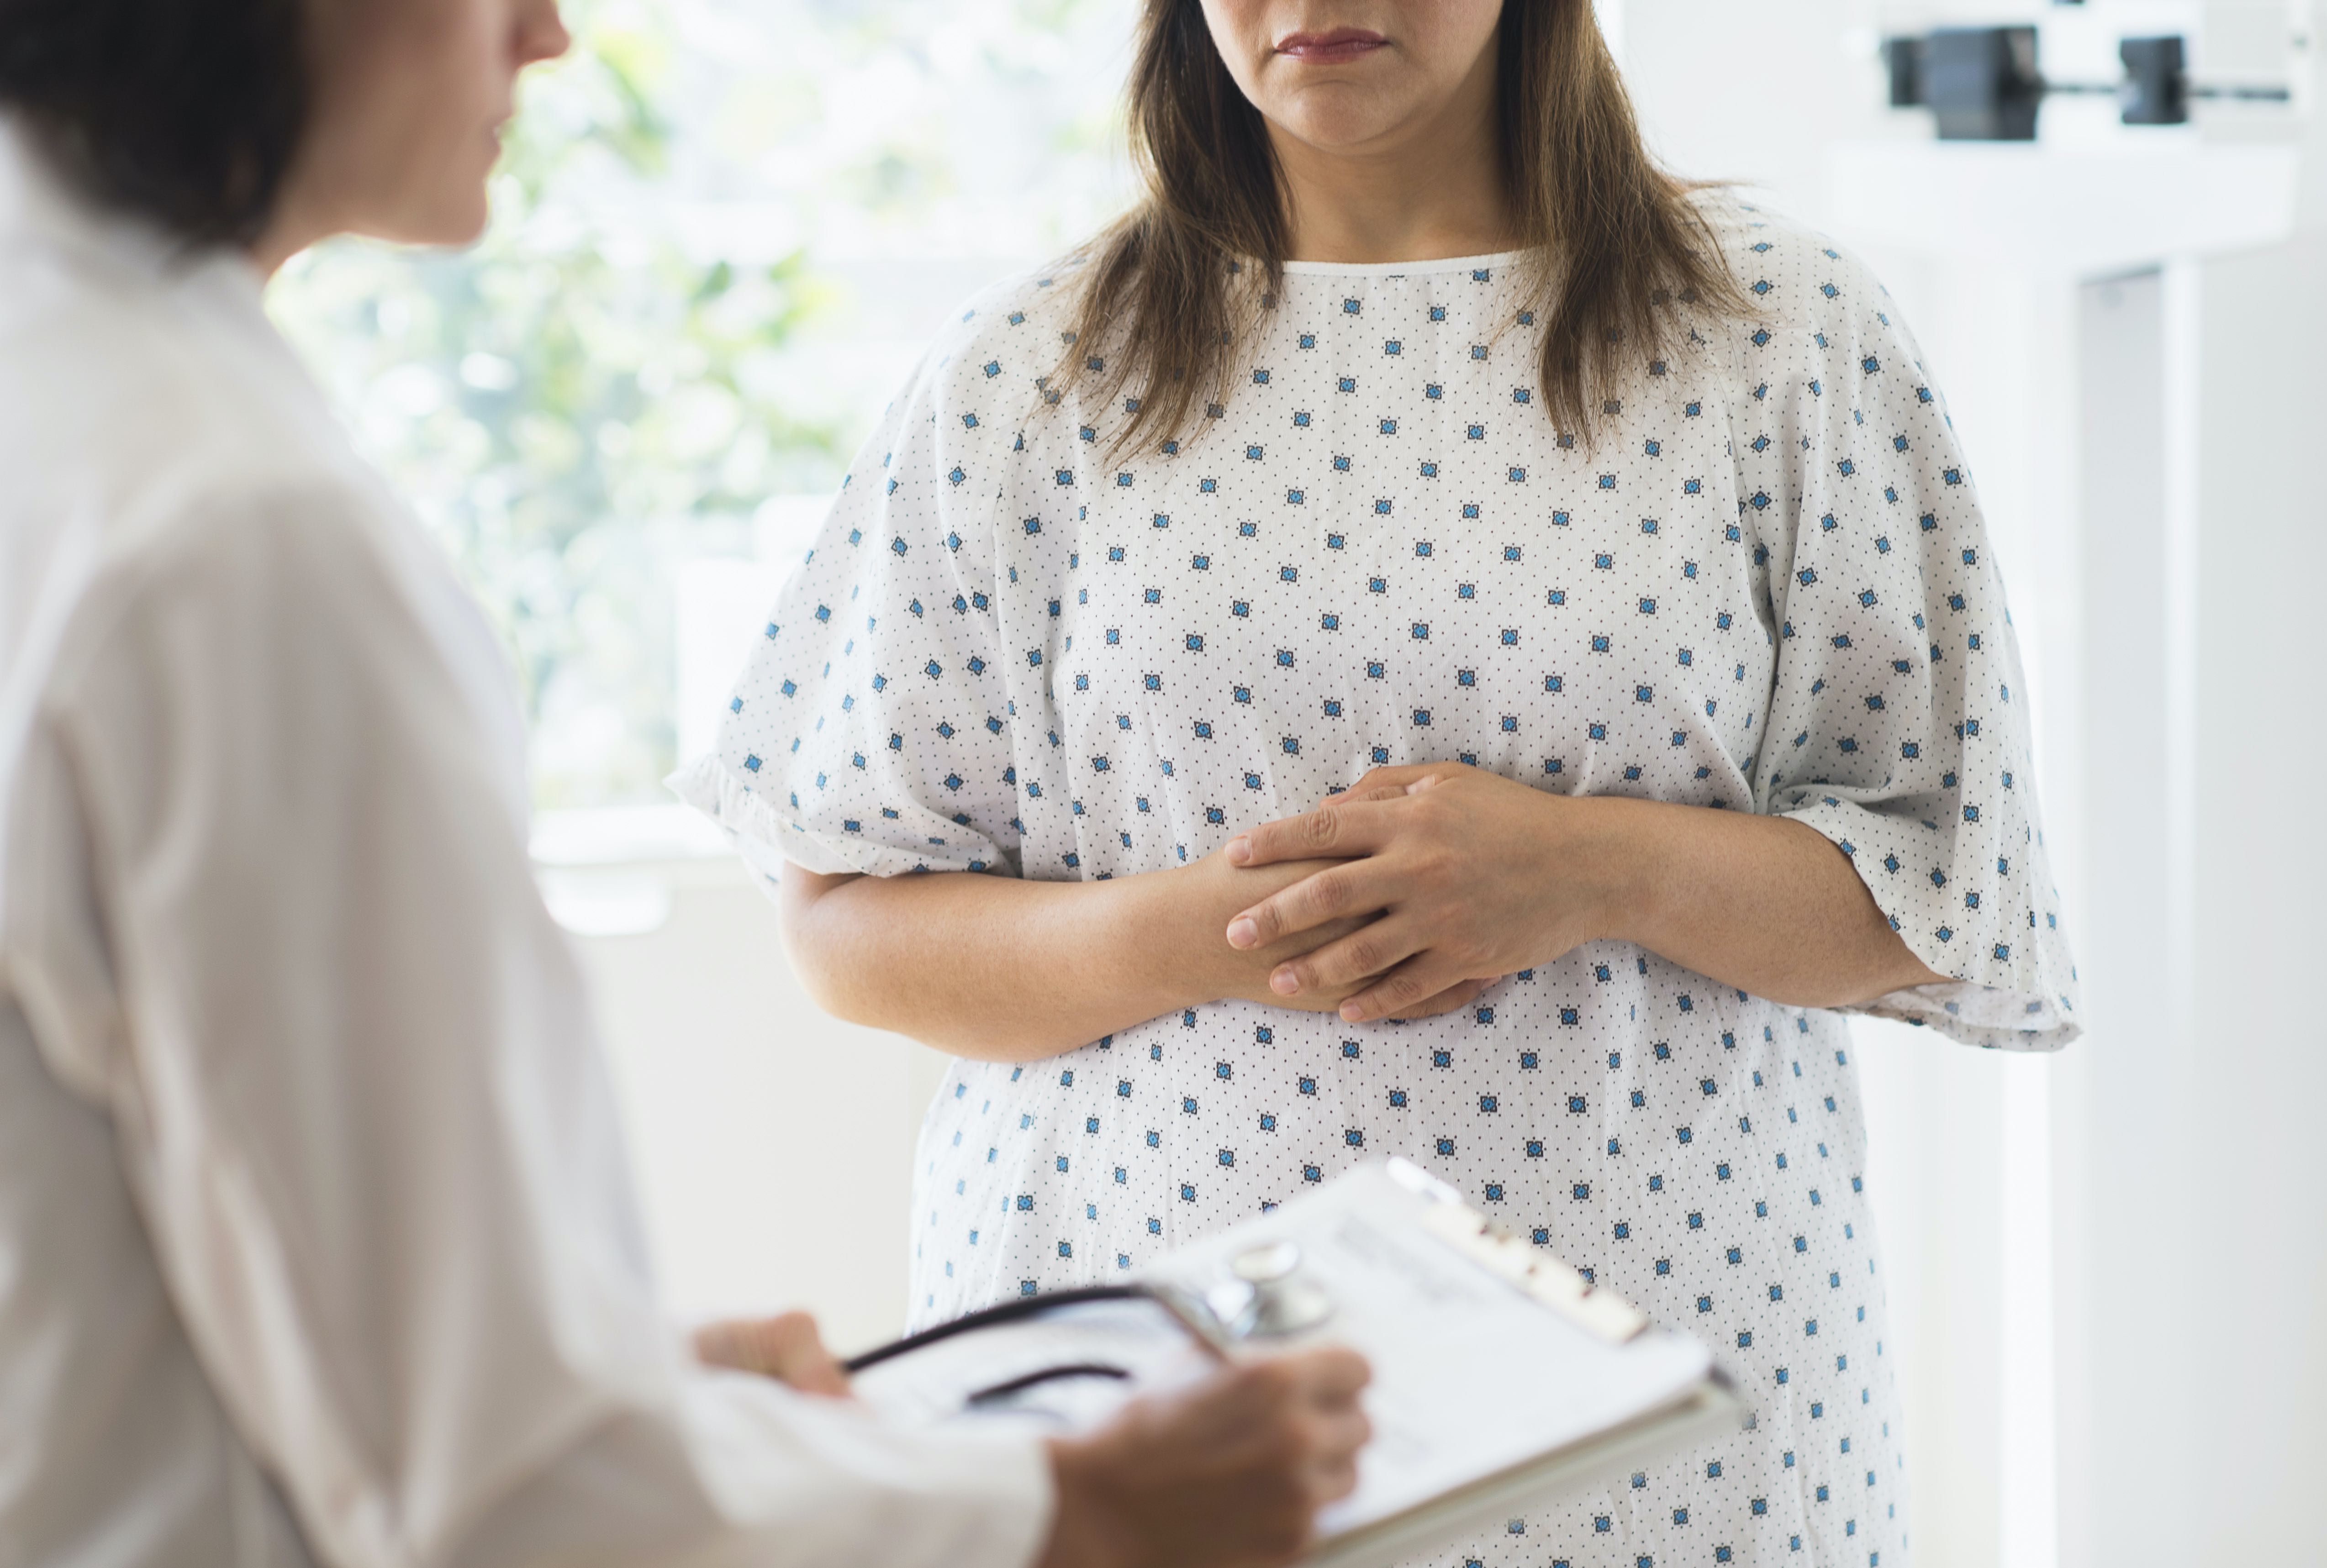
<point>1501,1380</point>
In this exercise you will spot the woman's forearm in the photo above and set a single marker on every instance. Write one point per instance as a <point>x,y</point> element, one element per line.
<point>1477,875</point>
<point>973,964</point>
<point>1003,970</point>
<point>1763,904</point>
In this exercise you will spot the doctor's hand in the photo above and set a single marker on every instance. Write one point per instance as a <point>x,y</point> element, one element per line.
<point>786,1347</point>
<point>1460,876</point>
<point>1228,1474</point>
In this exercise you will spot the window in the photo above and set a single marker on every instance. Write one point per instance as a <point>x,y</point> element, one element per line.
<point>723,231</point>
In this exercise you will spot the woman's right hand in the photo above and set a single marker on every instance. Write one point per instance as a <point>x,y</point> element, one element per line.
<point>1217,891</point>
<point>1007,968</point>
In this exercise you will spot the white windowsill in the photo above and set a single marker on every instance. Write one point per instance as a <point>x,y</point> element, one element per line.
<point>615,870</point>
<point>618,835</point>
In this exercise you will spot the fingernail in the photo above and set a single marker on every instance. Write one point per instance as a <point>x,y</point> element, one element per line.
<point>1242,932</point>
<point>1353,1013</point>
<point>1240,850</point>
<point>1285,981</point>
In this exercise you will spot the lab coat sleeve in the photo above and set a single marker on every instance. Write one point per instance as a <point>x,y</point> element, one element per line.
<point>364,1108</point>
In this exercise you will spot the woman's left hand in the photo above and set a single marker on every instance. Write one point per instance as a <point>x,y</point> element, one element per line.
<point>1473,876</point>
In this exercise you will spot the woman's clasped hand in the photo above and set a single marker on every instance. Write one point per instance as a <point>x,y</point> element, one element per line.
<point>1455,877</point>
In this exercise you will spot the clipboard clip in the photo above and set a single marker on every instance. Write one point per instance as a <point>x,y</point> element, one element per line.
<point>1549,1279</point>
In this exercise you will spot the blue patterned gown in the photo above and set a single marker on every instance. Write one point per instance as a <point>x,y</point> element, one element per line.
<point>1764,586</point>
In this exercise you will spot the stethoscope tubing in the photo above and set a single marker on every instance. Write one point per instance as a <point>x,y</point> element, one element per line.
<point>1010,1311</point>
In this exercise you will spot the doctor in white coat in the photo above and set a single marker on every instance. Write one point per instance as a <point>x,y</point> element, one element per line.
<point>316,1240</point>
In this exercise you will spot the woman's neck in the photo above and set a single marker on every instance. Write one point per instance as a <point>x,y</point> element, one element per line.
<point>1431,189</point>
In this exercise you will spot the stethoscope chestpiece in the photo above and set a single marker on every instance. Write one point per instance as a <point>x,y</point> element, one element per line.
<point>1263,1294</point>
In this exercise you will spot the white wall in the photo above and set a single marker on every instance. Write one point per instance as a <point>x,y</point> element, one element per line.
<point>2195,1255</point>
<point>773,1143</point>
<point>2249,1131</point>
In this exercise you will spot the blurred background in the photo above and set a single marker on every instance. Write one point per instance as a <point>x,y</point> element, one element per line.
<point>724,232</point>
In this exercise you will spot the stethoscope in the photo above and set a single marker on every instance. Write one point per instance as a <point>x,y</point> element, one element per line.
<point>1261,1295</point>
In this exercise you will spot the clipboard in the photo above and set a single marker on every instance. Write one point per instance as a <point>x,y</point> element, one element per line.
<point>1503,1379</point>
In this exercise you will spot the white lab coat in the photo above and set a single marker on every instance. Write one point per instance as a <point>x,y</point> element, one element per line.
<point>316,1237</point>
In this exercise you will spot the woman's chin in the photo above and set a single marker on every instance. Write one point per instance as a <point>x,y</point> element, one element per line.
<point>1336,117</point>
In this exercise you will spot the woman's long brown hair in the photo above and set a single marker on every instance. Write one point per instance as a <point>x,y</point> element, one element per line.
<point>1167,295</point>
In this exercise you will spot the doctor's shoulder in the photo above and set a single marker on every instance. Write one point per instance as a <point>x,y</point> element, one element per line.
<point>167,445</point>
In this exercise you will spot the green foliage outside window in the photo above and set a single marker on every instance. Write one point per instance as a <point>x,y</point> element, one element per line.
<point>572,407</point>
<point>654,337</point>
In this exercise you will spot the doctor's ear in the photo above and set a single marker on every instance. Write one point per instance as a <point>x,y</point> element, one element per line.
<point>786,1348</point>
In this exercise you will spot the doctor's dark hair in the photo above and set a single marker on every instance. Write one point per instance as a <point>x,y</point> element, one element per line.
<point>185,112</point>
<point>1172,289</point>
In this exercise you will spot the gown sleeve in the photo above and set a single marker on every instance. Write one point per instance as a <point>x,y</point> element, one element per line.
<point>1898,724</point>
<point>360,1096</point>
<point>870,728</point>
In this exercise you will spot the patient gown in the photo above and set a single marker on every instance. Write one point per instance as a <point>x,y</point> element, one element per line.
<point>1763,584</point>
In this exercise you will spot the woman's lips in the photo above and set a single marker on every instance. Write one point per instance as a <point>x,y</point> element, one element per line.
<point>1343,44</point>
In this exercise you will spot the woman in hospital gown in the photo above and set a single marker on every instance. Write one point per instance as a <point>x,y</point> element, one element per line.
<point>1766,586</point>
